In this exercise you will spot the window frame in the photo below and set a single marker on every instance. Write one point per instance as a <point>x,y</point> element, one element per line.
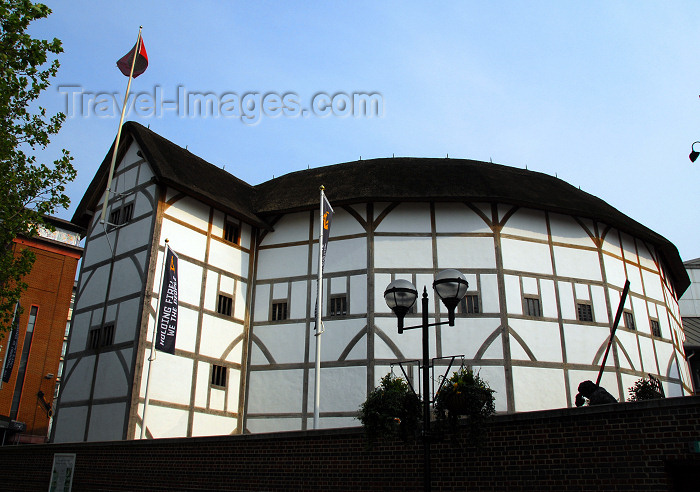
<point>464,305</point>
<point>532,301</point>
<point>100,337</point>
<point>589,308</point>
<point>628,318</point>
<point>228,304</point>
<point>654,323</point>
<point>236,227</point>
<point>219,376</point>
<point>274,314</point>
<point>333,300</point>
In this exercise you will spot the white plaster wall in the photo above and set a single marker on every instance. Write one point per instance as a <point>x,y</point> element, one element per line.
<point>284,341</point>
<point>343,224</point>
<point>111,380</point>
<point>70,424</point>
<point>289,229</point>
<point>514,301</point>
<point>406,217</point>
<point>216,335</point>
<point>343,389</point>
<point>469,335</point>
<point>458,218</point>
<point>402,252</point>
<point>541,337</point>
<point>133,235</point>
<point>276,391</point>
<point>337,337</point>
<point>469,252</point>
<point>527,223</point>
<point>577,263</point>
<point>343,255</point>
<point>496,379</point>
<point>549,300</point>
<point>126,278</point>
<point>107,422</point>
<point>526,256</point>
<point>225,256</point>
<point>212,425</point>
<point>190,211</point>
<point>93,288</point>
<point>652,285</point>
<point>298,303</point>
<point>77,379</point>
<point>166,422</point>
<point>409,342</point>
<point>489,294</point>
<point>566,230</point>
<point>584,341</point>
<point>271,424</point>
<point>690,301</point>
<point>186,241</point>
<point>291,261</point>
<point>168,373</point>
<point>537,388</point>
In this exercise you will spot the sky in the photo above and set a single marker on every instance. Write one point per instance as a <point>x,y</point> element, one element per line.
<point>604,95</point>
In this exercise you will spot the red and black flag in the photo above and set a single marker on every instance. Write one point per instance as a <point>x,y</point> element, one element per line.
<point>140,63</point>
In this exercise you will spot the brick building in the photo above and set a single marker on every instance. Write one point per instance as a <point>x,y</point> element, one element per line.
<point>27,397</point>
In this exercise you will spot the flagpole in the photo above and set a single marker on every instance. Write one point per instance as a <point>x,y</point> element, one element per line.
<point>119,131</point>
<point>152,357</point>
<point>319,310</point>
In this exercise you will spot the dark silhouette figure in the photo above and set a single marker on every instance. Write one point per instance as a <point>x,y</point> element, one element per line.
<point>594,394</point>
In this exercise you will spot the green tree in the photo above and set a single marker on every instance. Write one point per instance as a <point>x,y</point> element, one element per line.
<point>28,190</point>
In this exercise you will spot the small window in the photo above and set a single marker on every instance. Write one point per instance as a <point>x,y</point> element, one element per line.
<point>655,328</point>
<point>224,306</point>
<point>584,311</point>
<point>114,217</point>
<point>279,310</point>
<point>338,306</point>
<point>218,376</point>
<point>127,213</point>
<point>93,339</point>
<point>100,337</point>
<point>107,336</point>
<point>121,215</point>
<point>231,232</point>
<point>629,320</point>
<point>533,307</point>
<point>469,304</point>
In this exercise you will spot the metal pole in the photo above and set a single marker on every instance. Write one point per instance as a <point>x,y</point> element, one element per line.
<point>119,131</point>
<point>426,395</point>
<point>620,308</point>
<point>319,310</point>
<point>152,357</point>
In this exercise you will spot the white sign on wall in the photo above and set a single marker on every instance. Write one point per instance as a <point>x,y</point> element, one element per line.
<point>62,472</point>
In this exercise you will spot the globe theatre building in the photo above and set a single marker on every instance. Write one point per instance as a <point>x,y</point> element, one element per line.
<point>545,261</point>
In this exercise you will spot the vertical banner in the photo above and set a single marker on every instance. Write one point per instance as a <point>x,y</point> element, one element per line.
<point>167,314</point>
<point>327,214</point>
<point>11,351</point>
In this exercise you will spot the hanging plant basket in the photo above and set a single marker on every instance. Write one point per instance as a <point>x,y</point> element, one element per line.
<point>465,398</point>
<point>468,401</point>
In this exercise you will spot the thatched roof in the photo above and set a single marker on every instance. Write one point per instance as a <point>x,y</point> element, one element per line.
<point>391,179</point>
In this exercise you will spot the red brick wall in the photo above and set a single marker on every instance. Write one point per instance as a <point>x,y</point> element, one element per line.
<point>629,446</point>
<point>50,286</point>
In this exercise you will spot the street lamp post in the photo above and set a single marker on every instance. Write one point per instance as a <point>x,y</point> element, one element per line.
<point>400,295</point>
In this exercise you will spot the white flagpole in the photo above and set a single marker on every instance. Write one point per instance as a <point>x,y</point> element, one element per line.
<point>153,344</point>
<point>119,131</point>
<point>319,310</point>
